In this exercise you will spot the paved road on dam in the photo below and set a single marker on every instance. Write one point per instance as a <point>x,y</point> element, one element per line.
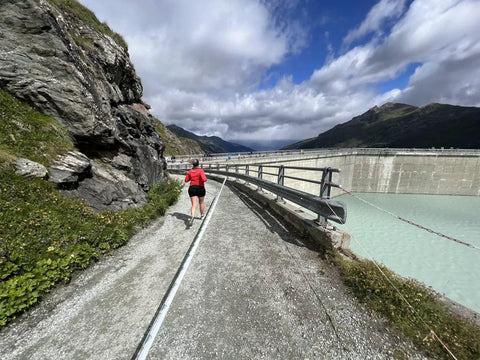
<point>254,290</point>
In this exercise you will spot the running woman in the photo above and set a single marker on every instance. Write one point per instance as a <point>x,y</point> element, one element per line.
<point>197,179</point>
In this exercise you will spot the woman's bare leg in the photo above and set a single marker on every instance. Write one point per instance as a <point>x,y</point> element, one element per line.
<point>202,205</point>
<point>194,205</point>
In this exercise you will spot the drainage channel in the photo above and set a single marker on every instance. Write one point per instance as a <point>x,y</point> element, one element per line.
<point>143,348</point>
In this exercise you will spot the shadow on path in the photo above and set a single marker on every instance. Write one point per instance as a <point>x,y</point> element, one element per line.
<point>184,217</point>
<point>275,223</point>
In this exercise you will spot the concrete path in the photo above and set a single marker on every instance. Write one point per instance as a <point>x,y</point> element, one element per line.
<point>254,290</point>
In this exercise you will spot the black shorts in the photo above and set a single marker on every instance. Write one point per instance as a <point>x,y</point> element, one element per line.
<point>196,190</point>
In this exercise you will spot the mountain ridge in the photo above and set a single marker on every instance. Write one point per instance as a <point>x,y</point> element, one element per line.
<point>397,125</point>
<point>209,144</point>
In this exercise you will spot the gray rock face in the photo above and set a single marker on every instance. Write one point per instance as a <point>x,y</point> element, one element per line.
<point>111,187</point>
<point>30,168</point>
<point>85,80</point>
<point>70,168</point>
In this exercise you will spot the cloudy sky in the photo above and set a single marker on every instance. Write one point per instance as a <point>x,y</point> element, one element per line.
<point>290,69</point>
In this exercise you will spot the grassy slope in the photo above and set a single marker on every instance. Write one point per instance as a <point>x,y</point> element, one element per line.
<point>371,288</point>
<point>25,132</point>
<point>209,144</point>
<point>77,10</point>
<point>176,145</point>
<point>45,236</point>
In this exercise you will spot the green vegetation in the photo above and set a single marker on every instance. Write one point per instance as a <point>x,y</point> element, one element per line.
<point>169,150</point>
<point>208,144</point>
<point>85,43</point>
<point>176,145</point>
<point>45,236</point>
<point>24,132</point>
<point>371,288</point>
<point>170,147</point>
<point>191,144</point>
<point>77,10</point>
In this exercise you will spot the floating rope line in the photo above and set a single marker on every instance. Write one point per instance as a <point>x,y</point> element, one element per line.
<point>432,333</point>
<point>411,222</point>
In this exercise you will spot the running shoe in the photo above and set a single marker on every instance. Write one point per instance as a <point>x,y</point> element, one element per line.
<point>191,219</point>
<point>201,217</point>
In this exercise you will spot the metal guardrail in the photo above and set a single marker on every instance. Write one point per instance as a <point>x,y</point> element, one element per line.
<point>320,205</point>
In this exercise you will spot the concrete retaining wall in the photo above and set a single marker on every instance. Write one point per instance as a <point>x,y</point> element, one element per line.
<point>417,172</point>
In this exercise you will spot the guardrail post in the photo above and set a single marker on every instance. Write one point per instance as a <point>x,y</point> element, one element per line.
<point>325,192</point>
<point>247,170</point>
<point>280,181</point>
<point>326,181</point>
<point>260,176</point>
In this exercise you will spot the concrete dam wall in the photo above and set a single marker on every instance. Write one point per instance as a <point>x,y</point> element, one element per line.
<point>439,172</point>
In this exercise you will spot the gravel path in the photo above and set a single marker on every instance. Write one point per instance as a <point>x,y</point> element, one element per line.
<point>254,290</point>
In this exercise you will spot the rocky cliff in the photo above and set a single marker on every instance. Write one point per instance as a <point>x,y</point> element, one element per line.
<point>59,58</point>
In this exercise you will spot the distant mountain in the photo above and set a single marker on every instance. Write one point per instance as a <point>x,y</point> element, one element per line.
<point>266,145</point>
<point>209,144</point>
<point>175,145</point>
<point>396,125</point>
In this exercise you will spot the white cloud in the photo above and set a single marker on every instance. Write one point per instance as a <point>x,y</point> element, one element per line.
<point>200,62</point>
<point>427,31</point>
<point>445,38</point>
<point>286,112</point>
<point>199,45</point>
<point>446,41</point>
<point>458,79</point>
<point>377,16</point>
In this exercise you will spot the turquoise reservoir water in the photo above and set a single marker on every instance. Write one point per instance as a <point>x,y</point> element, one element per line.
<point>448,267</point>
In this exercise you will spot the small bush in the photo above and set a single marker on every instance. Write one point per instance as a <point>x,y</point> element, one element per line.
<point>371,288</point>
